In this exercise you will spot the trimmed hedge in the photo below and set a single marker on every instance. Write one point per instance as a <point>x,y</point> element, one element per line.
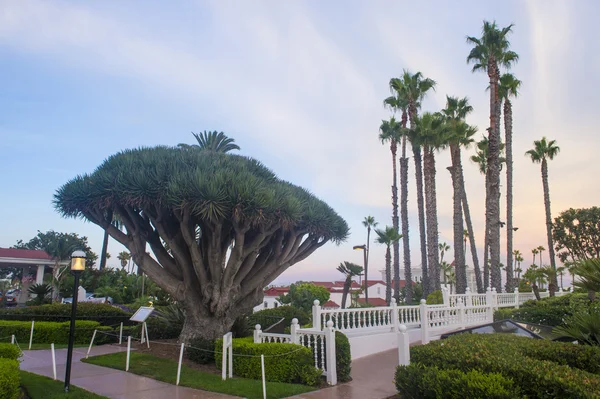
<point>417,381</point>
<point>10,380</point>
<point>102,313</point>
<point>58,333</point>
<point>538,369</point>
<point>547,311</point>
<point>343,358</point>
<point>10,351</point>
<point>157,329</point>
<point>205,354</point>
<point>296,367</point>
<point>268,317</point>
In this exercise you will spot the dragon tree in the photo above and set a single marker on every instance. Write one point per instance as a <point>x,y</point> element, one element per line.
<point>220,227</point>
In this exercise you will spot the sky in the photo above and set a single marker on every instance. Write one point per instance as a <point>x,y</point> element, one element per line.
<point>299,85</point>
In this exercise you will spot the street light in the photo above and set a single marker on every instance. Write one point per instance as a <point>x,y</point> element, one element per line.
<point>365,261</point>
<point>77,266</point>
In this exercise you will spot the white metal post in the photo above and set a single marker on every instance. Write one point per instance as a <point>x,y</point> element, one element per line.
<point>293,330</point>
<point>121,334</point>
<point>179,365</point>
<point>147,338</point>
<point>53,361</point>
<point>330,344</point>
<point>31,334</point>
<point>231,356</point>
<point>91,343</point>
<point>424,322</point>
<point>224,357</point>
<point>257,334</point>
<point>128,352</point>
<point>262,370</point>
<point>12,339</point>
<point>403,346</point>
<point>316,315</point>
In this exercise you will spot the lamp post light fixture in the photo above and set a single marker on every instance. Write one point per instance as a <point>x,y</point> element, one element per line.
<point>77,266</point>
<point>365,265</point>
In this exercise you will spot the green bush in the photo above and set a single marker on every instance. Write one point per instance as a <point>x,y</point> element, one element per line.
<point>296,367</point>
<point>343,358</point>
<point>435,298</point>
<point>203,351</point>
<point>158,329</point>
<point>417,381</point>
<point>538,368</point>
<point>547,311</point>
<point>58,333</point>
<point>583,326</point>
<point>103,313</point>
<point>10,379</point>
<point>268,317</point>
<point>9,351</point>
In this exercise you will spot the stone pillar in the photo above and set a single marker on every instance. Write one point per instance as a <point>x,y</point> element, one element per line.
<point>39,278</point>
<point>316,315</point>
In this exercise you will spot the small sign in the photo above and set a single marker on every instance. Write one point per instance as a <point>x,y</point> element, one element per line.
<point>142,314</point>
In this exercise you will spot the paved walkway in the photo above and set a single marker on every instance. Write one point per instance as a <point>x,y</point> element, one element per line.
<point>108,382</point>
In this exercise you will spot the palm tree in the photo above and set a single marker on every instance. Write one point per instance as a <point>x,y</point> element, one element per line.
<point>588,271</point>
<point>60,251</point>
<point>369,223</point>
<point>391,131</point>
<point>488,53</point>
<point>534,252</point>
<point>543,151</point>
<point>508,87</point>
<point>399,102</point>
<point>350,270</point>
<point>444,247</point>
<point>388,237</point>
<point>212,141</point>
<point>413,88</point>
<point>124,257</point>
<point>460,134</point>
<point>561,271</point>
<point>448,273</point>
<point>540,250</point>
<point>431,132</point>
<point>532,275</point>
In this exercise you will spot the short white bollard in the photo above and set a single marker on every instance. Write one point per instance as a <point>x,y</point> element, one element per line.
<point>31,334</point>
<point>262,369</point>
<point>91,343</point>
<point>147,339</point>
<point>128,351</point>
<point>53,361</point>
<point>121,334</point>
<point>179,365</point>
<point>403,346</point>
<point>12,339</point>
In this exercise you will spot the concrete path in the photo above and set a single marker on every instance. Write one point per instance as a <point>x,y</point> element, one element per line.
<point>105,381</point>
<point>372,378</point>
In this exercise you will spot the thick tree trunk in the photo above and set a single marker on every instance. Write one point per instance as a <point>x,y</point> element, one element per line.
<point>408,290</point>
<point>509,196</point>
<point>536,291</point>
<point>486,261</point>
<point>200,324</point>
<point>388,276</point>
<point>432,227</point>
<point>395,223</point>
<point>104,251</point>
<point>421,214</point>
<point>459,253</point>
<point>553,280</point>
<point>469,223</point>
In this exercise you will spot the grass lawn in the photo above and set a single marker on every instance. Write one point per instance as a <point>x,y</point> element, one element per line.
<point>39,387</point>
<point>166,370</point>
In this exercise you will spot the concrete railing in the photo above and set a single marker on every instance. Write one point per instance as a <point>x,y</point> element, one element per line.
<point>492,298</point>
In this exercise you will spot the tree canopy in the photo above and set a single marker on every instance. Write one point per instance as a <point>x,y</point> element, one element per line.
<point>302,295</point>
<point>576,234</point>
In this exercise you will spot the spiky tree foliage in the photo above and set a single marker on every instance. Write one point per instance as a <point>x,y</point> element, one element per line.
<point>252,226</point>
<point>588,271</point>
<point>489,52</point>
<point>370,223</point>
<point>431,133</point>
<point>391,131</point>
<point>508,88</point>
<point>399,102</point>
<point>388,237</point>
<point>212,141</point>
<point>544,150</point>
<point>124,257</point>
<point>412,88</point>
<point>349,270</point>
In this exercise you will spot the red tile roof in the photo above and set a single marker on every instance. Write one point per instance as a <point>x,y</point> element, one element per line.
<point>373,282</point>
<point>24,254</point>
<point>331,304</point>
<point>374,301</point>
<point>277,291</point>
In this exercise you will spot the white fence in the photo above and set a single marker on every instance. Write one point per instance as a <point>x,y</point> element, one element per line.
<point>491,297</point>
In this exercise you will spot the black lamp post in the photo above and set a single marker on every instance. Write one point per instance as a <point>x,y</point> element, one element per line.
<point>77,266</point>
<point>364,249</point>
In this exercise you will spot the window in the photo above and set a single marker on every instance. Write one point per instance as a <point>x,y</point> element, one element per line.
<point>275,304</point>
<point>266,304</point>
<point>378,290</point>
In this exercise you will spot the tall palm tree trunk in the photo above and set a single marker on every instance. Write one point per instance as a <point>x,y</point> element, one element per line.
<point>469,223</point>
<point>395,222</point>
<point>431,220</point>
<point>459,253</point>
<point>421,214</point>
<point>408,290</point>
<point>553,280</point>
<point>104,251</point>
<point>388,276</point>
<point>486,261</point>
<point>509,196</point>
<point>347,285</point>
<point>367,265</point>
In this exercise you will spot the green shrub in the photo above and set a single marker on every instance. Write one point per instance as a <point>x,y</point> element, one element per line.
<point>539,369</point>
<point>435,298</point>
<point>9,351</point>
<point>103,313</point>
<point>417,381</point>
<point>343,358</point>
<point>58,333</point>
<point>296,367</point>
<point>158,329</point>
<point>547,311</point>
<point>205,352</point>
<point>10,379</point>
<point>268,317</point>
<point>583,326</point>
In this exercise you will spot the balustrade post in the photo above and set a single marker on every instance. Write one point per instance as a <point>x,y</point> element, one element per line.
<point>489,302</point>
<point>461,315</point>
<point>293,330</point>
<point>424,322</point>
<point>316,315</point>
<point>469,298</point>
<point>403,346</point>
<point>494,298</point>
<point>516,297</point>
<point>394,320</point>
<point>446,296</point>
<point>330,359</point>
<point>257,334</point>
